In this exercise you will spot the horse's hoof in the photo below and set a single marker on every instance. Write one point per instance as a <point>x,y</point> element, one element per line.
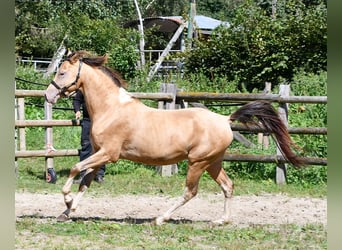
<point>63,217</point>
<point>159,221</point>
<point>221,222</point>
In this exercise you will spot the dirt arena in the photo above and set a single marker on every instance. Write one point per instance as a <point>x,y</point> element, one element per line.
<point>246,210</point>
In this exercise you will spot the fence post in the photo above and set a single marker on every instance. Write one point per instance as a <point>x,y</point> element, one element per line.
<point>284,90</point>
<point>263,139</point>
<point>48,137</point>
<point>21,116</point>
<point>168,170</point>
<point>16,137</point>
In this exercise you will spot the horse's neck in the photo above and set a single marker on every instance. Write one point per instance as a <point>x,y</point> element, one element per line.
<point>101,94</point>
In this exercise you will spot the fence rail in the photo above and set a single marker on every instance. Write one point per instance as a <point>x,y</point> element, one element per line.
<point>196,96</point>
<point>43,63</point>
<point>200,96</point>
<point>168,98</point>
<point>139,95</point>
<point>227,156</point>
<point>46,153</point>
<point>234,126</point>
<point>255,129</point>
<point>272,159</point>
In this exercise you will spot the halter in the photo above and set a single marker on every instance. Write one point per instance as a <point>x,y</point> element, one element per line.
<point>62,90</point>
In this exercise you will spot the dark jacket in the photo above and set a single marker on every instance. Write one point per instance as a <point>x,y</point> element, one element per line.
<point>80,102</point>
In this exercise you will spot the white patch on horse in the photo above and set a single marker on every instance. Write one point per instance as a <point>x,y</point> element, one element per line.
<point>124,96</point>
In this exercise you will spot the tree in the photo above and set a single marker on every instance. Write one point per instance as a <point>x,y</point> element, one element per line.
<point>89,25</point>
<point>32,28</point>
<point>258,48</point>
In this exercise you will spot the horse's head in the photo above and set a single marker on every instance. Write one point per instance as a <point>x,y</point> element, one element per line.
<point>66,79</point>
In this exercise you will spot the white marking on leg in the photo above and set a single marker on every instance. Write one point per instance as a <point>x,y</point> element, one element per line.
<point>77,198</point>
<point>67,198</point>
<point>227,206</point>
<point>166,216</point>
<point>67,186</point>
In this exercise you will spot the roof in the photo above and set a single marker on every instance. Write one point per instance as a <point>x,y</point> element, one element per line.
<point>171,23</point>
<point>208,23</point>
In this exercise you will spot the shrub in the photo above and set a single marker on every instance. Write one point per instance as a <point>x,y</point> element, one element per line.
<point>257,48</point>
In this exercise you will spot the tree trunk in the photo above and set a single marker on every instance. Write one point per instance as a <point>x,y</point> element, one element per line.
<point>56,58</point>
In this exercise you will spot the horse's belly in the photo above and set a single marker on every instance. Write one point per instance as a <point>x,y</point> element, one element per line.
<point>152,157</point>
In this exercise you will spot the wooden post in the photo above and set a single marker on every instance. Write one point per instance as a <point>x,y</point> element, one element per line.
<point>192,14</point>
<point>16,137</point>
<point>263,140</point>
<point>284,90</point>
<point>274,9</point>
<point>168,170</point>
<point>48,137</point>
<point>21,116</point>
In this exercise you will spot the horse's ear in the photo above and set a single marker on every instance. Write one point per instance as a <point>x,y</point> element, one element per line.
<point>72,56</point>
<point>68,53</point>
<point>78,55</point>
<point>75,57</point>
<point>105,58</point>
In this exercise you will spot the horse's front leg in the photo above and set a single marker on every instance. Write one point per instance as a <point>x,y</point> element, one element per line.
<point>97,159</point>
<point>66,190</point>
<point>84,185</point>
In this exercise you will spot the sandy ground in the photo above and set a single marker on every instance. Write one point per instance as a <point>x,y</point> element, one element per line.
<point>246,210</point>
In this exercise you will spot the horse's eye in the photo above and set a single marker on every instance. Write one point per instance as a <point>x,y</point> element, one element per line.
<point>61,73</point>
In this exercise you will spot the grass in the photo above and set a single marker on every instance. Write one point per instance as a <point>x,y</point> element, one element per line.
<point>136,179</point>
<point>34,234</point>
<point>123,178</point>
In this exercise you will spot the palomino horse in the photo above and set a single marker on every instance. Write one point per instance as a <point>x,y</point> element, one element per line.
<point>125,128</point>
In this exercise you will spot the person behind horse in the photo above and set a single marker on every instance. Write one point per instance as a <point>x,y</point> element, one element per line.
<point>86,148</point>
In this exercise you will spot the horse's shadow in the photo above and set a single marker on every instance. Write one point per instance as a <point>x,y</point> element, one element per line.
<point>128,220</point>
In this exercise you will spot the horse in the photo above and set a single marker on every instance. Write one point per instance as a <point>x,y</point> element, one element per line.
<point>125,128</point>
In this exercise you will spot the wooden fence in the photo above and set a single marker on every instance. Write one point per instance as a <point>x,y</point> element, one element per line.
<point>169,98</point>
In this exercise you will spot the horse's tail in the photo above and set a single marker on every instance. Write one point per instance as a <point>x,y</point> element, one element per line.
<point>269,118</point>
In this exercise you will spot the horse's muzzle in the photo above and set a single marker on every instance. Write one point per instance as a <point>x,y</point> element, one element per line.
<point>51,96</point>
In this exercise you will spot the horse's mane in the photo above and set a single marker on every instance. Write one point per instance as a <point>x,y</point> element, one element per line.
<point>98,61</point>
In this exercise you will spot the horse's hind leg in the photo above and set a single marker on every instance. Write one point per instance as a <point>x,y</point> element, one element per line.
<point>219,175</point>
<point>194,173</point>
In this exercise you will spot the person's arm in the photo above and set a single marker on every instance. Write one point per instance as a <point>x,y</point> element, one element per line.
<point>77,103</point>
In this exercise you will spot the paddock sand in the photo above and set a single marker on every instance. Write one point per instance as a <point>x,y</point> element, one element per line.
<point>246,210</point>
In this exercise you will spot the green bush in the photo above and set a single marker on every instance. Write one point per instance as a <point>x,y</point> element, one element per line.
<point>257,48</point>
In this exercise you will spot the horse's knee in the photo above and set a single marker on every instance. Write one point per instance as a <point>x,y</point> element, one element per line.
<point>75,170</point>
